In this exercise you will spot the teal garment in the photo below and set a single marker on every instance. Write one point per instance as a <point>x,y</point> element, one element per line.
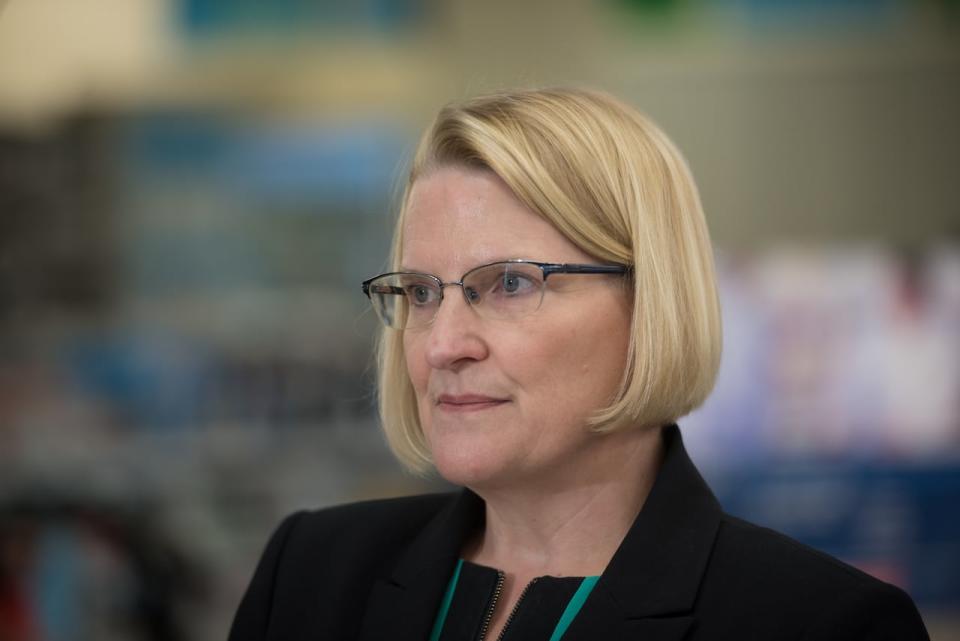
<point>546,607</point>
<point>445,604</point>
<point>573,606</point>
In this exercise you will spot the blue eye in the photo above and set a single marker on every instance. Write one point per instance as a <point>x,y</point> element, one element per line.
<point>514,283</point>
<point>420,294</point>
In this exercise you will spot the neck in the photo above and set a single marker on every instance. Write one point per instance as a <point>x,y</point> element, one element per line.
<point>572,524</point>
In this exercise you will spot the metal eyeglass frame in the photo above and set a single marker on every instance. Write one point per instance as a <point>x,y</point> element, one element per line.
<point>545,268</point>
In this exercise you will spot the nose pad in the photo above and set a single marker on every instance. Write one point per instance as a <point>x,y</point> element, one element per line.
<point>449,303</point>
<point>470,295</point>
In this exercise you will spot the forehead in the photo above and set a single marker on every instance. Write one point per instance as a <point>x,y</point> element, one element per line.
<point>457,218</point>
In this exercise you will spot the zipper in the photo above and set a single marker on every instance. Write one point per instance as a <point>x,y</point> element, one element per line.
<point>497,591</point>
<point>516,607</point>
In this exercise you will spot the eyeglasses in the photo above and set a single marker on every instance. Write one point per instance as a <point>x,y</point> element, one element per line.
<point>505,290</point>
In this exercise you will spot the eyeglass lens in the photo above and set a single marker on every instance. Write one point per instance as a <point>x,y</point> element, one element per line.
<point>501,290</point>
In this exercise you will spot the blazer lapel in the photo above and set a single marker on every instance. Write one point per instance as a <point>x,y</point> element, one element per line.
<point>649,588</point>
<point>404,605</point>
<point>646,593</point>
<point>602,617</point>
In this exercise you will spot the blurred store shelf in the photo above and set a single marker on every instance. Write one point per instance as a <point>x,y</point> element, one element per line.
<point>191,191</point>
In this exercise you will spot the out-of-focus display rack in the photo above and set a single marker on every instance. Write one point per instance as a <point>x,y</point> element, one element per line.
<point>210,370</point>
<point>191,191</point>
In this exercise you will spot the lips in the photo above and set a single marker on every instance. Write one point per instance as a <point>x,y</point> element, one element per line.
<point>468,402</point>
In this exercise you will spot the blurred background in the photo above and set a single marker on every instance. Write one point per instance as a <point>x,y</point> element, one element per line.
<point>192,190</point>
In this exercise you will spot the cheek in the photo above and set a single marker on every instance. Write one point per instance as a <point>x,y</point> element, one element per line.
<point>415,362</point>
<point>549,372</point>
<point>582,367</point>
<point>418,371</point>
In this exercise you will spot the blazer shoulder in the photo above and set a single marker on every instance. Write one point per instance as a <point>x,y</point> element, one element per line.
<point>366,523</point>
<point>760,548</point>
<point>877,611</point>
<point>414,509</point>
<point>781,579</point>
<point>328,556</point>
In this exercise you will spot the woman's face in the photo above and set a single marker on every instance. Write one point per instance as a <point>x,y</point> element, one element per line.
<point>507,402</point>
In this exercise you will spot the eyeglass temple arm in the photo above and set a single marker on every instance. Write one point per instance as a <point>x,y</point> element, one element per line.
<point>582,269</point>
<point>369,288</point>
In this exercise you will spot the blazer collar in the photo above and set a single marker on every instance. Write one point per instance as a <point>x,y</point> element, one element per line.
<point>658,567</point>
<point>404,605</point>
<point>647,590</point>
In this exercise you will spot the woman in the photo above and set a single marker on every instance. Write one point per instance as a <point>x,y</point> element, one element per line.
<point>586,323</point>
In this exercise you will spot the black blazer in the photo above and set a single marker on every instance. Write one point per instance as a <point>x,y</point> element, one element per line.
<point>376,571</point>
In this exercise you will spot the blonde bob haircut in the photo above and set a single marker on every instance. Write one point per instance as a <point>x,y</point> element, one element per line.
<point>614,185</point>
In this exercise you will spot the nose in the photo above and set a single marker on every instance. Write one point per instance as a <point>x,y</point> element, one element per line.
<point>454,338</point>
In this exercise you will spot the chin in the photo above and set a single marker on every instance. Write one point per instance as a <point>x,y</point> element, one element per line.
<point>471,468</point>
